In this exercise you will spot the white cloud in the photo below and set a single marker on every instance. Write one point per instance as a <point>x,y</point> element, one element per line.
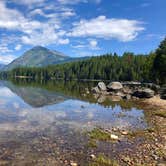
<point>93,43</point>
<point>68,14</point>
<point>64,41</point>
<point>4,49</point>
<point>102,27</point>
<point>37,12</point>
<point>60,13</point>
<point>71,2</point>
<point>14,20</point>
<point>28,2</point>
<point>18,47</point>
<point>79,46</point>
<point>5,59</point>
<point>34,31</point>
<point>45,36</point>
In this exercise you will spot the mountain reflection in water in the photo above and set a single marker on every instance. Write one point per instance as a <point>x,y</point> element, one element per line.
<point>40,119</point>
<point>64,102</point>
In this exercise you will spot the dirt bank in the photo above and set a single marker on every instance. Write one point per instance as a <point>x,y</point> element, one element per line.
<point>156,102</point>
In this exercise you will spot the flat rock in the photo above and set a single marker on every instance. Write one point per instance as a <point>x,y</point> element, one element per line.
<point>114,86</point>
<point>144,93</point>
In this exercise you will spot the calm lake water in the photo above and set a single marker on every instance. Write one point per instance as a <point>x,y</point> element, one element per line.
<point>44,123</point>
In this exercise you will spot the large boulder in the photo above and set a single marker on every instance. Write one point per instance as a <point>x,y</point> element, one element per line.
<point>115,86</point>
<point>95,90</point>
<point>144,93</point>
<point>152,86</point>
<point>163,92</point>
<point>127,90</point>
<point>102,86</point>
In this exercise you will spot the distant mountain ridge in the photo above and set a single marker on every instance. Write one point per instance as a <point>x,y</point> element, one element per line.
<point>39,57</point>
<point>2,66</point>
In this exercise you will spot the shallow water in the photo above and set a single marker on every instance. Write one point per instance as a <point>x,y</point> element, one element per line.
<point>44,122</point>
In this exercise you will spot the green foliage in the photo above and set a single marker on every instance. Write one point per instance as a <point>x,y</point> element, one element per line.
<point>98,134</point>
<point>129,67</point>
<point>102,160</point>
<point>107,67</point>
<point>160,62</point>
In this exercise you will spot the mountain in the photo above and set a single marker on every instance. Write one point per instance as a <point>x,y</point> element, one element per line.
<point>38,56</point>
<point>2,66</point>
<point>35,96</point>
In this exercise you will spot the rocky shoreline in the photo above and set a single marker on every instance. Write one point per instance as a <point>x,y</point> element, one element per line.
<point>128,90</point>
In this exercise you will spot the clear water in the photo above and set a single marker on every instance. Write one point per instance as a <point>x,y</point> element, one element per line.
<point>46,120</point>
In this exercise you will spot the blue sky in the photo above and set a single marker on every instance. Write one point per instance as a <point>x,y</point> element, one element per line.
<point>81,27</point>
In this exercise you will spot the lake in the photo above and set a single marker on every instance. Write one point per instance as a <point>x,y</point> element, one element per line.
<point>45,123</point>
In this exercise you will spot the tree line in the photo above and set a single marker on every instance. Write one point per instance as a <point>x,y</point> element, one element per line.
<point>128,67</point>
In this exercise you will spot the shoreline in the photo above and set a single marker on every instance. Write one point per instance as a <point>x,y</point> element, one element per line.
<point>156,102</point>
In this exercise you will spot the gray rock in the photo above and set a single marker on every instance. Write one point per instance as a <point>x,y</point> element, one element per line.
<point>151,86</point>
<point>87,91</point>
<point>127,90</point>
<point>95,90</point>
<point>102,86</point>
<point>163,92</point>
<point>101,99</point>
<point>128,97</point>
<point>120,94</point>
<point>114,86</point>
<point>144,93</point>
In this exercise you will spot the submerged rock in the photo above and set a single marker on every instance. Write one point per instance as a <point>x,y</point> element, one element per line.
<point>101,99</point>
<point>124,132</point>
<point>121,94</point>
<point>102,86</point>
<point>87,91</point>
<point>128,97</point>
<point>114,86</point>
<point>92,156</point>
<point>95,90</point>
<point>144,93</point>
<point>72,163</point>
<point>115,137</point>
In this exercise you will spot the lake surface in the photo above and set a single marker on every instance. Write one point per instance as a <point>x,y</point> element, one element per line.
<point>44,123</point>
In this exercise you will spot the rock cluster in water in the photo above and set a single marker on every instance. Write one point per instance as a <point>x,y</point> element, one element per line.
<point>126,90</point>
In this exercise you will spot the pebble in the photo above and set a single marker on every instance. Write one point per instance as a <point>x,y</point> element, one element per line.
<point>92,156</point>
<point>72,163</point>
<point>114,137</point>
<point>124,132</point>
